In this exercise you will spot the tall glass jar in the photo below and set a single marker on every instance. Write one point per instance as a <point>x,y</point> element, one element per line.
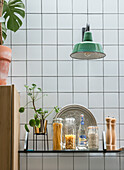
<point>57,133</point>
<point>93,138</point>
<point>70,134</point>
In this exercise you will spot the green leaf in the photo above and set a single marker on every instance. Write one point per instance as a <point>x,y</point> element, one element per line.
<point>26,86</point>
<point>13,12</point>
<point>46,111</point>
<point>32,122</point>
<point>22,109</point>
<point>39,89</point>
<point>29,94</point>
<point>56,109</point>
<point>34,85</point>
<point>35,116</point>
<point>26,128</point>
<point>38,123</point>
<point>4,31</point>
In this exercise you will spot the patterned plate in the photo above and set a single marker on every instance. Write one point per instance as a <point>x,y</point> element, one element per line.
<point>75,111</point>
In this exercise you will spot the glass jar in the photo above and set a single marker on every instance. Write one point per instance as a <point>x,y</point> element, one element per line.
<point>70,134</point>
<point>57,133</point>
<point>93,138</point>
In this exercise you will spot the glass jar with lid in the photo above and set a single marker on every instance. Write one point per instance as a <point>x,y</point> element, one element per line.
<point>57,133</point>
<point>70,134</point>
<point>93,138</point>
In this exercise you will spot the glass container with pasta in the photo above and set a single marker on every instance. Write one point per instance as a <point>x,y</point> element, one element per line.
<point>57,133</point>
<point>70,134</point>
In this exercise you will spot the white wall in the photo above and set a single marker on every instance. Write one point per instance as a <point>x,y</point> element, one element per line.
<point>41,50</point>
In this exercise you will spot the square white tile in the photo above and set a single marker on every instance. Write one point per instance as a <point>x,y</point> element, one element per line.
<point>111,100</point>
<point>79,21</point>
<point>96,100</point>
<point>64,37</point>
<point>110,68</point>
<point>96,84</point>
<point>34,80</point>
<point>121,52</point>
<point>65,6</point>
<point>81,98</point>
<point>33,68</point>
<point>19,83</point>
<point>50,100</point>
<point>111,84</point>
<point>33,162</point>
<point>97,163</point>
<point>33,21</point>
<point>111,52</point>
<point>65,84</point>
<point>18,68</point>
<point>19,53</point>
<point>50,163</point>
<point>65,68</point>
<point>110,21</point>
<point>95,68</point>
<point>97,36</point>
<point>121,99</point>
<point>80,84</point>
<point>93,19</point>
<point>121,4</point>
<point>110,6</point>
<point>49,6</point>
<point>112,163</point>
<point>19,37</point>
<point>49,52</point>
<point>121,24</point>
<point>81,163</point>
<point>65,163</point>
<point>49,68</point>
<point>49,84</point>
<point>80,68</point>
<point>65,21</point>
<point>121,36</point>
<point>121,115</point>
<point>98,114</point>
<point>121,68</point>
<point>65,99</point>
<point>49,21</point>
<point>49,37</point>
<point>77,36</point>
<point>23,163</point>
<point>79,6</point>
<point>34,53</point>
<point>64,52</point>
<point>33,7</point>
<point>121,79</point>
<point>111,37</point>
<point>33,37</point>
<point>95,8</point>
<point>122,132</point>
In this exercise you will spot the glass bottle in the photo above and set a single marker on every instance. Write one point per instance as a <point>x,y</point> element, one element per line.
<point>70,134</point>
<point>57,133</point>
<point>82,138</point>
<point>93,138</point>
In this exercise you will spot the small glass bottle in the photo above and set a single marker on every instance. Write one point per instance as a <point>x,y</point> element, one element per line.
<point>82,138</point>
<point>57,133</point>
<point>70,134</point>
<point>93,138</point>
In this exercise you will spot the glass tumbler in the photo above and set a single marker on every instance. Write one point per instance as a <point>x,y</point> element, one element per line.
<point>93,138</point>
<point>57,133</point>
<point>70,134</point>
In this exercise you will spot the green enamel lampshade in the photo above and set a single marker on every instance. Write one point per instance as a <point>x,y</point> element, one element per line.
<point>88,49</point>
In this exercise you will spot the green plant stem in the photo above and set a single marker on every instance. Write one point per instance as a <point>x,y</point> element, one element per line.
<point>48,114</point>
<point>1,11</point>
<point>34,105</point>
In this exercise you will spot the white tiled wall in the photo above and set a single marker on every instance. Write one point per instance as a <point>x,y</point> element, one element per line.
<point>41,50</point>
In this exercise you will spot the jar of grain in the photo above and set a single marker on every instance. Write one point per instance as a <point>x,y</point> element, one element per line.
<point>57,133</point>
<point>70,134</point>
<point>93,138</point>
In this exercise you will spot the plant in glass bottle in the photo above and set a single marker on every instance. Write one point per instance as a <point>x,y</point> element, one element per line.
<point>39,122</point>
<point>11,14</point>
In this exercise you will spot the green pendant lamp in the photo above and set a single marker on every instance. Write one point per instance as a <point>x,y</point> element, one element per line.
<point>87,49</point>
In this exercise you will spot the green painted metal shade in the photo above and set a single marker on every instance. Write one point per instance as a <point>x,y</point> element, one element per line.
<point>88,49</point>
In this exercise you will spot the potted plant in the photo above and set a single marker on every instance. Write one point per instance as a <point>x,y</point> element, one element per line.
<point>11,14</point>
<point>39,122</point>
